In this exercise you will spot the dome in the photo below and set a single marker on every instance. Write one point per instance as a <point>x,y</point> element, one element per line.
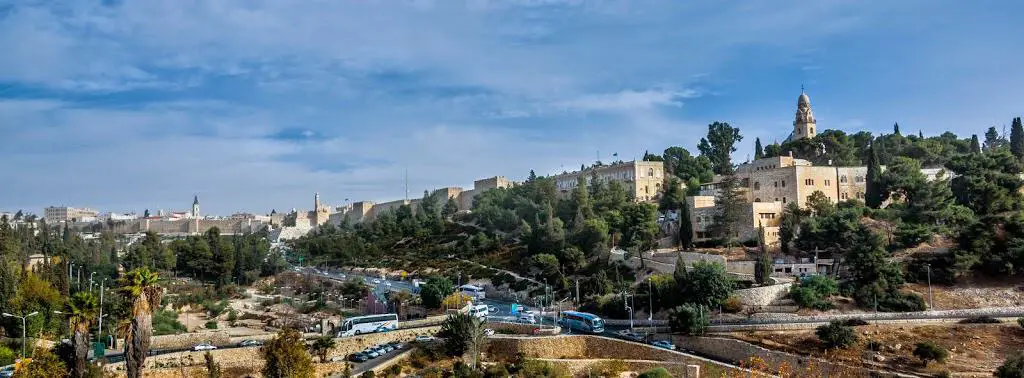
<point>803,99</point>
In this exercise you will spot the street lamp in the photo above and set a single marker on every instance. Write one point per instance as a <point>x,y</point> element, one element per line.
<point>24,330</point>
<point>90,281</point>
<point>931,302</point>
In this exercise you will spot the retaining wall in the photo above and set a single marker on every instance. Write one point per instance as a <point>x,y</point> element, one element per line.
<point>188,340</point>
<point>589,367</point>
<point>762,296</point>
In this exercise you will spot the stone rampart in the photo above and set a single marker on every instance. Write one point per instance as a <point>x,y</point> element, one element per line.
<point>739,351</point>
<point>188,340</point>
<point>762,296</point>
<point>590,367</point>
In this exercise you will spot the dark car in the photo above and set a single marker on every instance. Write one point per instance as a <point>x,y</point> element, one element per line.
<point>358,357</point>
<point>249,343</point>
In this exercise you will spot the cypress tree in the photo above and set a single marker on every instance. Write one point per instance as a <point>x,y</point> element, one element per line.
<point>763,265</point>
<point>872,193</point>
<point>896,128</point>
<point>758,149</point>
<point>1017,138</point>
<point>920,134</point>
<point>685,227</point>
<point>975,145</point>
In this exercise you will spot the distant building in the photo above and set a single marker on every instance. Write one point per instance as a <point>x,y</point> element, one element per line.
<point>643,178</point>
<point>60,214</point>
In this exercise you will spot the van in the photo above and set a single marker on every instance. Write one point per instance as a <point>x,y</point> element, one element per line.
<point>479,311</point>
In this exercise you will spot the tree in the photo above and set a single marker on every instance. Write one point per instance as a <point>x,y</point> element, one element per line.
<point>321,346</point>
<point>930,351</point>
<point>1017,138</point>
<point>434,290</point>
<point>680,163</point>
<point>987,184</point>
<point>145,214</point>
<point>285,356</point>
<point>836,335</point>
<point>139,288</point>
<point>763,267</point>
<point>873,192</point>
<point>896,128</point>
<point>689,319</point>
<point>672,196</point>
<point>813,292</point>
<point>685,227</point>
<point>463,334</point>
<point>450,208</point>
<point>212,367</point>
<point>707,283</point>
<point>975,145</point>
<point>719,145</point>
<point>1013,367</point>
<point>993,141</point>
<point>81,310</point>
<point>44,364</point>
<point>729,211</point>
<point>758,150</point>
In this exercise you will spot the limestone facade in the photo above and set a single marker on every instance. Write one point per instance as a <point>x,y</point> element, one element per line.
<point>643,178</point>
<point>368,210</point>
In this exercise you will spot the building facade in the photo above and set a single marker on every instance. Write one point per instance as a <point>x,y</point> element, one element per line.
<point>59,214</point>
<point>643,178</point>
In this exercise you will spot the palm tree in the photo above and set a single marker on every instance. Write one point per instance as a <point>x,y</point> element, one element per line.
<point>81,311</point>
<point>139,288</point>
<point>321,347</point>
<point>464,335</point>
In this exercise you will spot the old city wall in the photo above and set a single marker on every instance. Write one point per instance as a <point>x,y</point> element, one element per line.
<point>741,351</point>
<point>589,367</point>
<point>762,296</point>
<point>584,347</point>
<point>236,362</point>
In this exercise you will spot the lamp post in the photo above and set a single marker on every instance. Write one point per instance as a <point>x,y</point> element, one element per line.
<point>931,302</point>
<point>24,328</point>
<point>90,280</point>
<point>100,327</point>
<point>628,308</point>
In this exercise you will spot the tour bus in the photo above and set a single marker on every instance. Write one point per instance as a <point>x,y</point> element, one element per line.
<point>360,325</point>
<point>479,311</point>
<point>475,292</point>
<point>582,321</point>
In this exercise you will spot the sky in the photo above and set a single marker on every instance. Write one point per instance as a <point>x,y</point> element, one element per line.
<point>253,105</point>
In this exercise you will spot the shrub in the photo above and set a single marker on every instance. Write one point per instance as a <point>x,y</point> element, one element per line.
<point>814,291</point>
<point>944,374</point>
<point>496,371</point>
<point>836,335</point>
<point>854,322</point>
<point>1021,322</point>
<point>689,319</point>
<point>165,322</point>
<point>7,356</point>
<point>980,320</point>
<point>732,305</point>
<point>232,315</point>
<point>873,345</point>
<point>211,324</point>
<point>929,351</point>
<point>1013,367</point>
<point>659,372</point>
<point>368,374</point>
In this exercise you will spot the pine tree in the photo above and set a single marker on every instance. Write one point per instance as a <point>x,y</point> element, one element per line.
<point>729,211</point>
<point>685,227</point>
<point>758,149</point>
<point>992,140</point>
<point>1017,138</point>
<point>975,145</point>
<point>873,193</point>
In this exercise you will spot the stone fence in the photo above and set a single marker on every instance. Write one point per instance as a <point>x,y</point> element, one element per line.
<point>188,340</point>
<point>762,296</point>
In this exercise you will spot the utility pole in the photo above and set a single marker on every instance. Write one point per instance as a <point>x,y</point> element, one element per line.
<point>650,300</point>
<point>90,281</point>
<point>931,302</point>
<point>100,330</point>
<point>577,293</point>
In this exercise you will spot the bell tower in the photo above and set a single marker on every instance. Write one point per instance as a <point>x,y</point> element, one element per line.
<point>195,207</point>
<point>804,125</point>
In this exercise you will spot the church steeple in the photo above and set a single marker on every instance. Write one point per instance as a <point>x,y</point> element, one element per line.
<point>804,124</point>
<point>195,207</point>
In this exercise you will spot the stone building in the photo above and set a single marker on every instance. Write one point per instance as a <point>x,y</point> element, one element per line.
<point>368,210</point>
<point>643,178</point>
<point>58,214</point>
<point>804,124</point>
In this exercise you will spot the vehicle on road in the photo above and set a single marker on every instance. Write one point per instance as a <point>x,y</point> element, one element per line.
<point>492,309</point>
<point>489,332</point>
<point>582,322</point>
<point>7,371</point>
<point>249,343</point>
<point>357,357</point>
<point>473,291</point>
<point>527,319</point>
<point>630,335</point>
<point>370,353</point>
<point>376,281</point>
<point>360,325</point>
<point>664,344</point>
<point>479,311</point>
<point>425,338</point>
<point>204,346</point>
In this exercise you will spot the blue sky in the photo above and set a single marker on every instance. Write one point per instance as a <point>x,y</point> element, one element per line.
<point>256,104</point>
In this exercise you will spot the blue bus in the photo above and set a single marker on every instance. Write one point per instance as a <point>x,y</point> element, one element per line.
<point>582,321</point>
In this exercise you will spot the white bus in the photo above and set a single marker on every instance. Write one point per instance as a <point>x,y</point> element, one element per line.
<point>475,292</point>
<point>361,325</point>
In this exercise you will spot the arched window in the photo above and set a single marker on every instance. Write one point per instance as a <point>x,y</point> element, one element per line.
<point>812,131</point>
<point>757,185</point>
<point>757,200</point>
<point>650,172</point>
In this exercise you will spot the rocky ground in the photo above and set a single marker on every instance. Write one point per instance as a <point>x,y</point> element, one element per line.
<point>974,349</point>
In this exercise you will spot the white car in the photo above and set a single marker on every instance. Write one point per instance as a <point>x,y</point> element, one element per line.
<point>371,353</point>
<point>492,309</point>
<point>664,344</point>
<point>376,281</point>
<point>386,283</point>
<point>489,332</point>
<point>424,338</point>
<point>204,346</point>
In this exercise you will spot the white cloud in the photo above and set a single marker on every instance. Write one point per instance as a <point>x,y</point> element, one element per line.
<point>628,100</point>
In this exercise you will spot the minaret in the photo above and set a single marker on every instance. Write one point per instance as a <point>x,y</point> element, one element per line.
<point>195,207</point>
<point>804,125</point>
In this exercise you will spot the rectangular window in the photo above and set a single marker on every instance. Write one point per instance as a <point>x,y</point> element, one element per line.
<point>783,183</point>
<point>808,182</point>
<point>828,182</point>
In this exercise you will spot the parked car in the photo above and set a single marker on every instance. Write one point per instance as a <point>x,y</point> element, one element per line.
<point>664,344</point>
<point>249,343</point>
<point>489,332</point>
<point>204,346</point>
<point>527,318</point>
<point>7,371</point>
<point>358,357</point>
<point>371,353</point>
<point>396,345</point>
<point>424,338</point>
<point>385,347</point>
<point>629,335</point>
